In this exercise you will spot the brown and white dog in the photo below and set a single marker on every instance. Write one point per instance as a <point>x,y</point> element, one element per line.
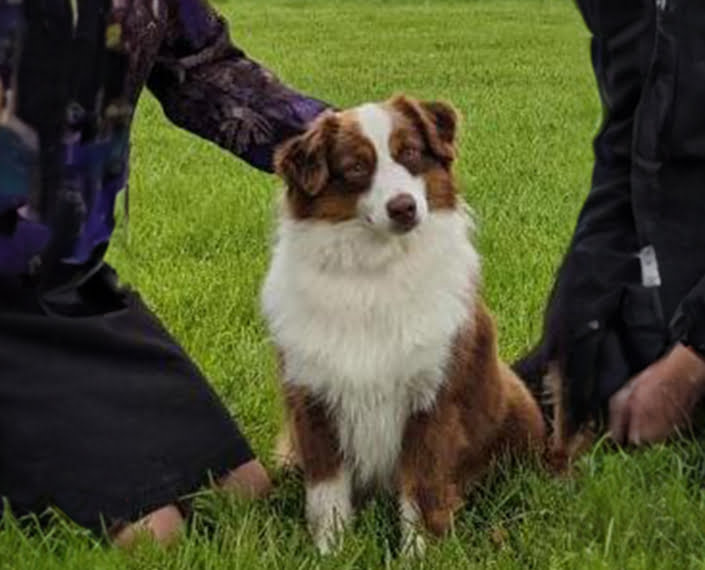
<point>388,357</point>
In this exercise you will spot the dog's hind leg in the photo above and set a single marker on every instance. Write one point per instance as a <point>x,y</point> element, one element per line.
<point>427,506</point>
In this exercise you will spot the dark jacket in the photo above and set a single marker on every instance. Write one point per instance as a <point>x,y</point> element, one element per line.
<point>632,282</point>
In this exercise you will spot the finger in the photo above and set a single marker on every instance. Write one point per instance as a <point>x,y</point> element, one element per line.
<point>619,414</point>
<point>635,431</point>
<point>634,437</point>
<point>653,420</point>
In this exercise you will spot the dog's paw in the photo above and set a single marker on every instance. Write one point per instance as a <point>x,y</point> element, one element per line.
<point>328,538</point>
<point>328,509</point>
<point>413,544</point>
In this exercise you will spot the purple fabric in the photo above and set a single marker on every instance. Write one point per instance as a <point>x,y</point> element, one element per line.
<point>197,21</point>
<point>84,170</point>
<point>8,203</point>
<point>301,110</point>
<point>181,49</point>
<point>18,163</point>
<point>10,20</point>
<point>100,222</point>
<point>17,250</point>
<point>209,87</point>
<point>85,167</point>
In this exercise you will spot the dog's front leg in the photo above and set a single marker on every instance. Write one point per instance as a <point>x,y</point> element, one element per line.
<point>328,482</point>
<point>328,509</point>
<point>413,543</point>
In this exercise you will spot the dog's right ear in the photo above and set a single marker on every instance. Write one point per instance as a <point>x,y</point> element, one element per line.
<point>302,162</point>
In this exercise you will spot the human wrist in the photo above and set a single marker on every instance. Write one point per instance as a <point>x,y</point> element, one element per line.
<point>691,363</point>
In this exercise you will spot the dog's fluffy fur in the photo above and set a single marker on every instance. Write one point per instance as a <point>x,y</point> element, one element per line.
<point>388,357</point>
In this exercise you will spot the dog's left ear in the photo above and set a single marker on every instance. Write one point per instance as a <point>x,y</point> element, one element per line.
<point>437,120</point>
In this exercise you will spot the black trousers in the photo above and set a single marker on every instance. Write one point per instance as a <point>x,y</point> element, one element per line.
<point>102,414</point>
<point>637,256</point>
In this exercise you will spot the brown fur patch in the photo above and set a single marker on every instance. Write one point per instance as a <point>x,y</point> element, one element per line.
<point>313,437</point>
<point>436,121</point>
<point>336,164</point>
<point>410,148</point>
<point>441,189</point>
<point>482,412</point>
<point>302,162</point>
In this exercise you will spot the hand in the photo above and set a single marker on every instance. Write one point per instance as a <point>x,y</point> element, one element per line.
<point>249,481</point>
<point>659,400</point>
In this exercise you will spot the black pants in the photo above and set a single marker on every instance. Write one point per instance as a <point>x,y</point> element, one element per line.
<point>102,414</point>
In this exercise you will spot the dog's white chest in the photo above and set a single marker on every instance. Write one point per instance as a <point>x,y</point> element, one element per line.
<point>369,326</point>
<point>371,425</point>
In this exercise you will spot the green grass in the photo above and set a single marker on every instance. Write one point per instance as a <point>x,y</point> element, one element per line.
<point>201,222</point>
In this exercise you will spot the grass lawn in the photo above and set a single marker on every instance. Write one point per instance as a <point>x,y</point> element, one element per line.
<point>519,72</point>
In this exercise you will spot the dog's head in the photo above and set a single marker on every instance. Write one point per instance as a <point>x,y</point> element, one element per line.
<point>386,165</point>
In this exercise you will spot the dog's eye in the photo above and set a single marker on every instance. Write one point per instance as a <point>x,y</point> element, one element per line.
<point>358,168</point>
<point>410,154</point>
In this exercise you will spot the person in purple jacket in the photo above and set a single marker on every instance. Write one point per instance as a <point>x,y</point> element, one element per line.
<point>102,414</point>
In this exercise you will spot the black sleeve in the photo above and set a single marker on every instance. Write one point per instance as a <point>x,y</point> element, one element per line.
<point>688,324</point>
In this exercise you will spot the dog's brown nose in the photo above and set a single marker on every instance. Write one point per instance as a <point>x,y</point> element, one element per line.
<point>402,210</point>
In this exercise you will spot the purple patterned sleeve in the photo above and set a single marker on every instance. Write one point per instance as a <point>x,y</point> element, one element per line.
<point>209,87</point>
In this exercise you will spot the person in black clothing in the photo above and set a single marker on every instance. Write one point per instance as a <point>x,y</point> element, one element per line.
<point>102,414</point>
<point>624,330</point>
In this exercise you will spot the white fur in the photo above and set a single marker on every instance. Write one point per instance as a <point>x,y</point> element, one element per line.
<point>391,178</point>
<point>412,541</point>
<point>328,508</point>
<point>366,322</point>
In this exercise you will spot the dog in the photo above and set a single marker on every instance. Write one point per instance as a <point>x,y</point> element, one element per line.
<point>387,354</point>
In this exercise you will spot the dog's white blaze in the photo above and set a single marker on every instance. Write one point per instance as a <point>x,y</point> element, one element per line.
<point>376,124</point>
<point>366,321</point>
<point>391,178</point>
<point>328,508</point>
